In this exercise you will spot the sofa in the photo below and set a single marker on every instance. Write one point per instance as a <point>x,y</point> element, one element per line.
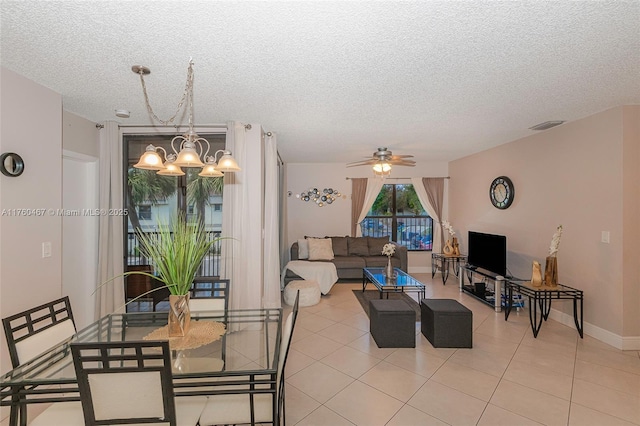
<point>352,254</point>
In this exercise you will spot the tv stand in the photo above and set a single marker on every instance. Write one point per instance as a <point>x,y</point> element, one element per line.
<point>483,285</point>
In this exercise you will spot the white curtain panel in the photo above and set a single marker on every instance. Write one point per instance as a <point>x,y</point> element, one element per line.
<point>271,298</point>
<point>110,297</point>
<point>421,192</point>
<point>235,225</point>
<point>374,185</point>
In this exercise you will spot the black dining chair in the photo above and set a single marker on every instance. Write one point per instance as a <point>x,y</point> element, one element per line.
<point>130,382</point>
<point>252,408</point>
<point>32,332</point>
<point>209,294</point>
<point>123,383</point>
<point>35,330</point>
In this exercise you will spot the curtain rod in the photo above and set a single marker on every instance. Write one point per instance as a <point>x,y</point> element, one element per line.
<point>216,126</point>
<point>407,178</point>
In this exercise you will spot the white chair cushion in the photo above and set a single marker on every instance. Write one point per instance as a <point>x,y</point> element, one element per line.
<point>235,409</point>
<point>60,413</point>
<point>188,411</point>
<point>309,293</point>
<point>33,346</point>
<point>205,304</point>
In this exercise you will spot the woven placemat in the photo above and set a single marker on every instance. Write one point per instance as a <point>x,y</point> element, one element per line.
<point>200,333</point>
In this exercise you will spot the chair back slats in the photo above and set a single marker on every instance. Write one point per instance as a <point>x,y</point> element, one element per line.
<point>125,382</point>
<point>209,294</point>
<point>33,331</point>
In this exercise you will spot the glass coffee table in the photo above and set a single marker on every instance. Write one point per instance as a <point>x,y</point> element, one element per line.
<point>402,282</point>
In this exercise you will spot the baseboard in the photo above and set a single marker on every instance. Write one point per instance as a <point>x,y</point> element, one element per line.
<point>605,336</point>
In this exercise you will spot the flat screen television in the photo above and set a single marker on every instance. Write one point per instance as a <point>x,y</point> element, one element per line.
<point>488,251</point>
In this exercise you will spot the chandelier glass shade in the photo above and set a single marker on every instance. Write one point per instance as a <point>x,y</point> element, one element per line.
<point>189,149</point>
<point>382,168</point>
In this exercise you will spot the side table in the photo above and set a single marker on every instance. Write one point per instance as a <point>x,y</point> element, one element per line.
<point>540,298</point>
<point>441,261</point>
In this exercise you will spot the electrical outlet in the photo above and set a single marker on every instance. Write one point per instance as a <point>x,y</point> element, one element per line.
<point>46,249</point>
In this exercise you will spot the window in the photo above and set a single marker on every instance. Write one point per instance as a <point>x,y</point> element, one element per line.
<point>144,212</point>
<point>397,212</point>
<point>151,198</point>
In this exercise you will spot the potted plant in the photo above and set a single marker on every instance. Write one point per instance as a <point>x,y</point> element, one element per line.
<point>176,253</point>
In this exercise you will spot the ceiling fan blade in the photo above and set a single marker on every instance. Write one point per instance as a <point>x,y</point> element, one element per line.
<point>393,157</point>
<point>401,160</point>
<point>403,163</point>
<point>362,163</point>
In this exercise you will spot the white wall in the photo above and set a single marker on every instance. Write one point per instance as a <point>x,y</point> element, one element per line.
<point>31,118</point>
<point>80,235</point>
<point>306,218</point>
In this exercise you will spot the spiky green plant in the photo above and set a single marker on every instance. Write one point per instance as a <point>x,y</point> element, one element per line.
<point>176,253</point>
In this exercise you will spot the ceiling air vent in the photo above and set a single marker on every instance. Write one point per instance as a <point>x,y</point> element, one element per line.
<point>546,125</point>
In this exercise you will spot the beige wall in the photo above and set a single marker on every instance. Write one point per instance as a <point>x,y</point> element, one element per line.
<point>570,175</point>
<point>305,218</point>
<point>79,135</point>
<point>31,118</point>
<point>631,220</point>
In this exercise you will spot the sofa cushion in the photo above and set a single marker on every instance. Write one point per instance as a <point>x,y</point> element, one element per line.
<point>320,249</point>
<point>381,261</point>
<point>339,246</point>
<point>303,249</point>
<point>376,244</point>
<point>349,262</point>
<point>358,246</point>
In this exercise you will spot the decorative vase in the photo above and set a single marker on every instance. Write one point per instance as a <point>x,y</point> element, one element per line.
<point>388,270</point>
<point>551,271</point>
<point>536,275</point>
<point>448,248</point>
<point>179,315</point>
<point>456,247</point>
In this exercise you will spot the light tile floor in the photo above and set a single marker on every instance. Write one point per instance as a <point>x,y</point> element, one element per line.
<point>336,374</point>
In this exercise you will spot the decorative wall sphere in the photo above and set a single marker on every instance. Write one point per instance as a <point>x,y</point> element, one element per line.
<point>320,198</point>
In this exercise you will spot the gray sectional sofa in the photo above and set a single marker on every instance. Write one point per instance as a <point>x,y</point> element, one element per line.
<point>352,254</point>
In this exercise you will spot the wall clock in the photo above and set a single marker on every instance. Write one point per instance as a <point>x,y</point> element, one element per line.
<point>501,192</point>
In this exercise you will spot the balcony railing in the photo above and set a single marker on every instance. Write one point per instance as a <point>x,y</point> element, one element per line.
<point>415,233</point>
<point>210,265</point>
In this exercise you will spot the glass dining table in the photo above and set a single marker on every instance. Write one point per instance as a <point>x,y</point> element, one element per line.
<point>243,359</point>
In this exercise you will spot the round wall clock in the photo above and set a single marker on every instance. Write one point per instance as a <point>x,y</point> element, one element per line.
<point>501,192</point>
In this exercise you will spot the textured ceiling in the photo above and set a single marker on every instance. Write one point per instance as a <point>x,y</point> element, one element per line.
<point>336,80</point>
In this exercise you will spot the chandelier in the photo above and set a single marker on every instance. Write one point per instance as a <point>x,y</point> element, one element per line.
<point>189,148</point>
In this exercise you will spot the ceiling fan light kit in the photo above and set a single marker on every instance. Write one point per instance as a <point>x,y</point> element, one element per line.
<point>190,151</point>
<point>383,160</point>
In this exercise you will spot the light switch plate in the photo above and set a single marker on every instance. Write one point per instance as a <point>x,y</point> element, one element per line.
<point>605,237</point>
<point>46,249</point>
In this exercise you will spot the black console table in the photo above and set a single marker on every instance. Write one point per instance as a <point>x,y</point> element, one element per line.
<point>442,261</point>
<point>540,298</point>
<point>483,285</point>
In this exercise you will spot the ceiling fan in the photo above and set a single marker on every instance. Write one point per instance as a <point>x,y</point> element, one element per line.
<point>383,159</point>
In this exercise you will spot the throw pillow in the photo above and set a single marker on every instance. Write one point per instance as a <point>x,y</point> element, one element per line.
<point>376,244</point>
<point>339,246</point>
<point>358,246</point>
<point>303,249</point>
<point>320,249</point>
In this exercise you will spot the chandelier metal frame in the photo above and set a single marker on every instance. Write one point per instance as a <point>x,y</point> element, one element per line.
<point>188,148</point>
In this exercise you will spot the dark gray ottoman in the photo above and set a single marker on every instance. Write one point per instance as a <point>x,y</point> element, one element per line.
<point>392,323</point>
<point>446,323</point>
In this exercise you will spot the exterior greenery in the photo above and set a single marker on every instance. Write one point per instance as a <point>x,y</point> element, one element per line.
<point>176,252</point>
<point>398,213</point>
